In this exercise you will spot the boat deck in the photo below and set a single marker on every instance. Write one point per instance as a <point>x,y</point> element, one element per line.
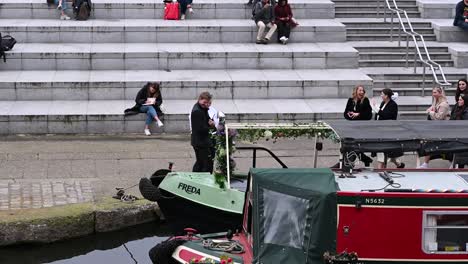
<point>421,180</point>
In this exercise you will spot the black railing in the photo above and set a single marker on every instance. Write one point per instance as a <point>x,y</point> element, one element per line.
<point>254,158</point>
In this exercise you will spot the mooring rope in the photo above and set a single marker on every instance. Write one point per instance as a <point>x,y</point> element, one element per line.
<point>230,246</point>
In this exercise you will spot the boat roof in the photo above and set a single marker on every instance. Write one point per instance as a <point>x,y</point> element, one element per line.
<point>424,137</point>
<point>420,180</point>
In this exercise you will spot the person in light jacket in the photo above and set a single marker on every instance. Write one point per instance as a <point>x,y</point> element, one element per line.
<point>439,110</point>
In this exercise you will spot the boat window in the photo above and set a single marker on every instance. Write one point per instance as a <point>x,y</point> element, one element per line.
<point>445,232</point>
<point>284,219</point>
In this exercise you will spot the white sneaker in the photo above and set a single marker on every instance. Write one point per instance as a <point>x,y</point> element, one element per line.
<point>285,41</point>
<point>424,166</point>
<point>160,124</point>
<point>182,17</point>
<point>59,7</point>
<point>64,17</point>
<point>282,38</point>
<point>191,10</point>
<point>147,132</point>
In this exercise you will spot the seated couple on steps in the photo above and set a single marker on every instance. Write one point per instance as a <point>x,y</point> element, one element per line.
<point>279,16</point>
<point>461,15</point>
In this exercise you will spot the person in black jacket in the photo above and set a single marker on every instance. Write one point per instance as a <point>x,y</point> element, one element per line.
<point>200,138</point>
<point>149,100</point>
<point>461,15</point>
<point>359,108</point>
<point>388,110</point>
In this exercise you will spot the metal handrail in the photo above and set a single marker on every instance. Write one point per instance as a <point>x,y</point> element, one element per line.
<point>254,157</point>
<point>414,35</point>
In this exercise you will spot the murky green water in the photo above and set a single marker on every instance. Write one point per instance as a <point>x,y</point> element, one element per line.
<point>121,247</point>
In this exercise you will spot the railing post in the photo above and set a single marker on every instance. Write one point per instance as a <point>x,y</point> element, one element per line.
<point>385,14</point>
<point>391,27</point>
<point>415,56</point>
<point>378,7</point>
<point>399,35</point>
<point>407,51</point>
<point>424,81</point>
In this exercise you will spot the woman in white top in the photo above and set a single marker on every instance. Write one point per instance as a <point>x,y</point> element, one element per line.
<point>439,110</point>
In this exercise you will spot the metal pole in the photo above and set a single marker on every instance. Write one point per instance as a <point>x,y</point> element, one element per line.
<point>254,162</point>
<point>424,80</point>
<point>385,14</point>
<point>399,35</point>
<point>226,131</point>
<point>391,26</point>
<point>315,151</point>
<point>378,7</point>
<point>407,51</point>
<point>415,57</point>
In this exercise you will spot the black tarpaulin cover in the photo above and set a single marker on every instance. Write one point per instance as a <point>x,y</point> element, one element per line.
<point>294,215</point>
<point>424,137</point>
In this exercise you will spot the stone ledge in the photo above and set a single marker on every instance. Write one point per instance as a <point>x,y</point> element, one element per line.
<point>436,9</point>
<point>176,56</point>
<point>446,32</point>
<point>204,9</point>
<point>161,31</point>
<point>47,225</point>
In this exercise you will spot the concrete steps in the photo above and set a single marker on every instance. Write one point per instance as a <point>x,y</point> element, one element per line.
<point>184,84</point>
<point>154,9</point>
<point>179,56</point>
<point>369,14</point>
<point>383,37</point>
<point>104,117</point>
<point>161,31</point>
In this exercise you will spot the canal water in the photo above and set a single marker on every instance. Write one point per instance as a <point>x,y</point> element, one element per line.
<point>127,246</point>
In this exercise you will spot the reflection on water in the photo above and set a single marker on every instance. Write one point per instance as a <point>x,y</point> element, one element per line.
<point>121,247</point>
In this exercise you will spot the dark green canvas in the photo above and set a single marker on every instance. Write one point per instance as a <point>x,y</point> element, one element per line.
<point>294,215</point>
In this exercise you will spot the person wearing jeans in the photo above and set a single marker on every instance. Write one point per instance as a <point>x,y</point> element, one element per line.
<point>264,17</point>
<point>149,100</point>
<point>461,15</point>
<point>62,5</point>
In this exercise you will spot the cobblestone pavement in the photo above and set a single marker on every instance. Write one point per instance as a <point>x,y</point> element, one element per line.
<point>40,194</point>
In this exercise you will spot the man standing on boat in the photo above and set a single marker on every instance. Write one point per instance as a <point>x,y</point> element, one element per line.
<point>200,139</point>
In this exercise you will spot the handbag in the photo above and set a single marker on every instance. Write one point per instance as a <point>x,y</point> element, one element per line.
<point>162,108</point>
<point>171,11</point>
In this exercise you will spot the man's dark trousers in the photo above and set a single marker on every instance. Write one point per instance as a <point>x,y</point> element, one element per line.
<point>204,159</point>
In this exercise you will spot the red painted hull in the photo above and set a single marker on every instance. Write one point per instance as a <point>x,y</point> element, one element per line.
<point>388,227</point>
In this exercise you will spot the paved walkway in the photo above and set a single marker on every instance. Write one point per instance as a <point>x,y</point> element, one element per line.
<point>45,171</point>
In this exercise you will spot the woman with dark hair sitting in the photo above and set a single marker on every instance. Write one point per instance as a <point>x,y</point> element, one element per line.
<point>388,110</point>
<point>461,88</point>
<point>149,100</point>
<point>460,110</point>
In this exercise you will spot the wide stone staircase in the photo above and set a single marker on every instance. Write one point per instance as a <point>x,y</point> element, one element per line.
<point>79,76</point>
<point>383,58</point>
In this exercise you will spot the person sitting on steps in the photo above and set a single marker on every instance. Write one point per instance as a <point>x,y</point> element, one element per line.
<point>149,100</point>
<point>284,20</point>
<point>264,16</point>
<point>185,5</point>
<point>461,15</point>
<point>62,5</point>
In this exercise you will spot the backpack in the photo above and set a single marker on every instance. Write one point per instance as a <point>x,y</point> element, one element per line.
<point>6,43</point>
<point>82,9</point>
